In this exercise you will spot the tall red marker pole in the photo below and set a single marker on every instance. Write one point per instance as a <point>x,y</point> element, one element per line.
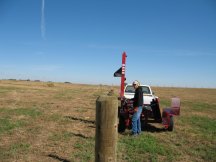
<point>123,73</point>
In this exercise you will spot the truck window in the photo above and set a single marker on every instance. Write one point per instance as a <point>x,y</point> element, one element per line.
<point>130,89</point>
<point>146,90</point>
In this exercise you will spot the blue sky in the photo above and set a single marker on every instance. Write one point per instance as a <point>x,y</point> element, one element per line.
<point>168,43</point>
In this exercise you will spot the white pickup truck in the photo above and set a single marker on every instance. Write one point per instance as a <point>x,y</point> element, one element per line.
<point>147,93</point>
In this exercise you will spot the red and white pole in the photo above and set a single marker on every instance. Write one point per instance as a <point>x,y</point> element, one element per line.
<point>123,74</point>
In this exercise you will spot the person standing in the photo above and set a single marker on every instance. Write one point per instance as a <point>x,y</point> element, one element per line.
<point>137,105</point>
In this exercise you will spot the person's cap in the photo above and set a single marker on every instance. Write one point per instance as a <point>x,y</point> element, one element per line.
<point>135,82</point>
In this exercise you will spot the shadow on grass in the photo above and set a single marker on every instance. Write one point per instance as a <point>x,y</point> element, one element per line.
<point>56,157</point>
<point>92,126</point>
<point>80,119</point>
<point>80,135</point>
<point>151,128</point>
<point>144,128</point>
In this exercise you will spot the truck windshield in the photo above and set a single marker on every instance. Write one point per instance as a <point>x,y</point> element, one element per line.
<point>130,89</point>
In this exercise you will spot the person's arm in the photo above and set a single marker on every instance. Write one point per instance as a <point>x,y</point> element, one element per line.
<point>140,97</point>
<point>135,99</point>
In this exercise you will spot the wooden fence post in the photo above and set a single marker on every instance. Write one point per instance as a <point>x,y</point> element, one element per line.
<point>106,129</point>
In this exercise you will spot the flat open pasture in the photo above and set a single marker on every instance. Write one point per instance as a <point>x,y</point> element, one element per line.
<point>42,122</point>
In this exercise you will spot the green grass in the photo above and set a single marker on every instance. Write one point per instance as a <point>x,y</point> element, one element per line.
<point>54,117</point>
<point>165,103</point>
<point>68,94</point>
<point>203,124</point>
<point>144,148</point>
<point>202,107</point>
<point>84,150</point>
<point>207,153</point>
<point>3,91</point>
<point>14,150</point>
<point>6,89</point>
<point>81,109</point>
<point>32,112</point>
<point>6,124</point>
<point>201,135</point>
<point>40,121</point>
<point>9,121</point>
<point>61,136</point>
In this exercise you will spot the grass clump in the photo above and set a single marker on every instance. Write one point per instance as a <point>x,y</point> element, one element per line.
<point>7,124</point>
<point>14,150</point>
<point>50,84</point>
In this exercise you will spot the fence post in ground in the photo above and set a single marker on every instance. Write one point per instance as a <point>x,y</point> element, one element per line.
<point>106,129</point>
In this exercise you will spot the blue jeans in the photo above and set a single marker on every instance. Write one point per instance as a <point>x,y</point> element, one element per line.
<point>136,124</point>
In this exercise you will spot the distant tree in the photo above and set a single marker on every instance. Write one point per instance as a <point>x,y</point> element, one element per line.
<point>67,82</point>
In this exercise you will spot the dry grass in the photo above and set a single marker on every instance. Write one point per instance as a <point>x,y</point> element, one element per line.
<point>39,122</point>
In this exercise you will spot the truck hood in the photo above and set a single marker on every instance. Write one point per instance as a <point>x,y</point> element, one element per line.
<point>146,98</point>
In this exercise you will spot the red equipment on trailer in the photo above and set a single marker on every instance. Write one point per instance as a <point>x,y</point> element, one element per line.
<point>151,110</point>
<point>121,73</point>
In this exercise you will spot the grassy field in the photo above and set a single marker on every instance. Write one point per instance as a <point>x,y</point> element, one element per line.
<point>55,122</point>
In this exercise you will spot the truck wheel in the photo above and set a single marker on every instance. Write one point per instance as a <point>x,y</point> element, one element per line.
<point>121,125</point>
<point>171,124</point>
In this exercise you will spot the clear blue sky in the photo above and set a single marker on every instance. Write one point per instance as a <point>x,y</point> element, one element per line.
<point>168,43</point>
